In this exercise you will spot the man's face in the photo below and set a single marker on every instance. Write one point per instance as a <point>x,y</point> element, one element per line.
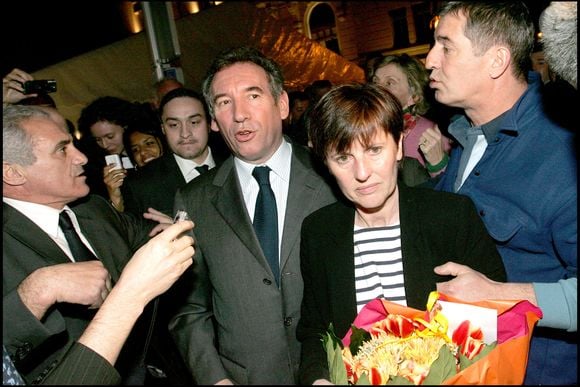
<point>56,178</point>
<point>186,128</point>
<point>246,113</point>
<point>458,76</point>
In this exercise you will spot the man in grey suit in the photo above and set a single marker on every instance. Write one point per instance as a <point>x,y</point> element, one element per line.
<point>49,297</point>
<point>239,321</point>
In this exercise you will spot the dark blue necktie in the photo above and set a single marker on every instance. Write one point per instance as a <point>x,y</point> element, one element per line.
<point>266,219</point>
<point>202,169</point>
<point>78,249</point>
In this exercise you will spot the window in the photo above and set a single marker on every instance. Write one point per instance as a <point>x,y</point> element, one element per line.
<point>322,24</point>
<point>422,18</point>
<point>400,29</point>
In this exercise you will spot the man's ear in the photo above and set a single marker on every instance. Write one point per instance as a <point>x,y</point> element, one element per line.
<point>214,126</point>
<point>12,174</point>
<point>500,61</point>
<point>284,105</point>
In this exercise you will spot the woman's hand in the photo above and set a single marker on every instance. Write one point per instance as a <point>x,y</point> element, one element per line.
<point>113,177</point>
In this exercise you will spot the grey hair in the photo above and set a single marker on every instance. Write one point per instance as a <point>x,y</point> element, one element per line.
<point>17,145</point>
<point>243,54</point>
<point>489,23</point>
<point>558,26</point>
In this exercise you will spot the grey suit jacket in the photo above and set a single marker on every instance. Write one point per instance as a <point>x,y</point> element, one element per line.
<point>37,346</point>
<point>236,322</point>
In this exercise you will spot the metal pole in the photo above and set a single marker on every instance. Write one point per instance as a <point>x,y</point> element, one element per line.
<point>163,41</point>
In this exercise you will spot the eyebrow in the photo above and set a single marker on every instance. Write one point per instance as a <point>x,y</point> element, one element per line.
<point>442,38</point>
<point>247,89</point>
<point>179,119</point>
<point>62,144</point>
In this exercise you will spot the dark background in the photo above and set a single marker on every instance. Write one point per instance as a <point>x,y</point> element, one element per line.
<point>37,34</point>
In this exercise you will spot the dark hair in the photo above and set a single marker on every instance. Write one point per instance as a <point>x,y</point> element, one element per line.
<point>115,110</point>
<point>145,121</point>
<point>353,112</point>
<point>183,92</point>
<point>297,95</point>
<point>242,54</point>
<point>489,23</point>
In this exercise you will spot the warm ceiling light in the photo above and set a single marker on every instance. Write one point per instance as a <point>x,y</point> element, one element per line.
<point>192,6</point>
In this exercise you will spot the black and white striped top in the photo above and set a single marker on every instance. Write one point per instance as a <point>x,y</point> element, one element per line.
<point>378,265</point>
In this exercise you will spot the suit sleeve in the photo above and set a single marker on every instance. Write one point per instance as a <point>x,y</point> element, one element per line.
<point>313,364</point>
<point>82,366</point>
<point>22,332</point>
<point>192,327</point>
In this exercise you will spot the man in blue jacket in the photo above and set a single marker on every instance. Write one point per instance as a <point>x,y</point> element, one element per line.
<point>518,167</point>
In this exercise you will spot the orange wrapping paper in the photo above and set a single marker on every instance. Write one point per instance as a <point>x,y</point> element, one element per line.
<point>505,364</point>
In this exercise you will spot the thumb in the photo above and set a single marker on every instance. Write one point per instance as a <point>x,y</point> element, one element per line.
<point>450,268</point>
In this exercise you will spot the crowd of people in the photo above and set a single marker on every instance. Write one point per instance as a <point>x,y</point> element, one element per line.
<point>101,285</point>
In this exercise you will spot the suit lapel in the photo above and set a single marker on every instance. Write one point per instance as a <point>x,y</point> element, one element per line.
<point>96,234</point>
<point>303,186</point>
<point>412,245</point>
<point>229,202</point>
<point>28,233</point>
<point>341,262</point>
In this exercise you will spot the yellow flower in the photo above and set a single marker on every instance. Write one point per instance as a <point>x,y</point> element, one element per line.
<point>386,355</point>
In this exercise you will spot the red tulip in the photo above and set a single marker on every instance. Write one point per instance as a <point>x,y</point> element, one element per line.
<point>469,338</point>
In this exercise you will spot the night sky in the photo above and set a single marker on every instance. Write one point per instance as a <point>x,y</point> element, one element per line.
<point>37,34</point>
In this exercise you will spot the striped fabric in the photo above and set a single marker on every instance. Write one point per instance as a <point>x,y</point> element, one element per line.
<point>378,265</point>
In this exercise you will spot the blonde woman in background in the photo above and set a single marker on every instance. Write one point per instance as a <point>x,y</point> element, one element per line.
<point>407,78</point>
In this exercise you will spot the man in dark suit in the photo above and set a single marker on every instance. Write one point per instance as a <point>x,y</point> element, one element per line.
<point>184,122</point>
<point>48,297</point>
<point>145,277</point>
<point>239,322</point>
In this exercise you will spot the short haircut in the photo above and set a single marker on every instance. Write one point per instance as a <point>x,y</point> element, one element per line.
<point>244,54</point>
<point>502,23</point>
<point>183,92</point>
<point>352,112</point>
<point>17,145</point>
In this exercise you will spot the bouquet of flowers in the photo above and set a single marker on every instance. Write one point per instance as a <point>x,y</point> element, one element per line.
<point>392,344</point>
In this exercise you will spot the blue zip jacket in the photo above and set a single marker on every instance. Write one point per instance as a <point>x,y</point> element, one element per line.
<point>525,190</point>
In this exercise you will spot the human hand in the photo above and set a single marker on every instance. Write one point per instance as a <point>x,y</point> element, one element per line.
<point>157,264</point>
<point>157,216</point>
<point>227,382</point>
<point>85,283</point>
<point>468,284</point>
<point>113,177</point>
<point>12,86</point>
<point>431,144</point>
<point>325,382</point>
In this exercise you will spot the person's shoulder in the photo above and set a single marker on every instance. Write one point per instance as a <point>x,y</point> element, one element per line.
<point>325,214</point>
<point>92,205</point>
<point>151,171</point>
<point>434,198</point>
